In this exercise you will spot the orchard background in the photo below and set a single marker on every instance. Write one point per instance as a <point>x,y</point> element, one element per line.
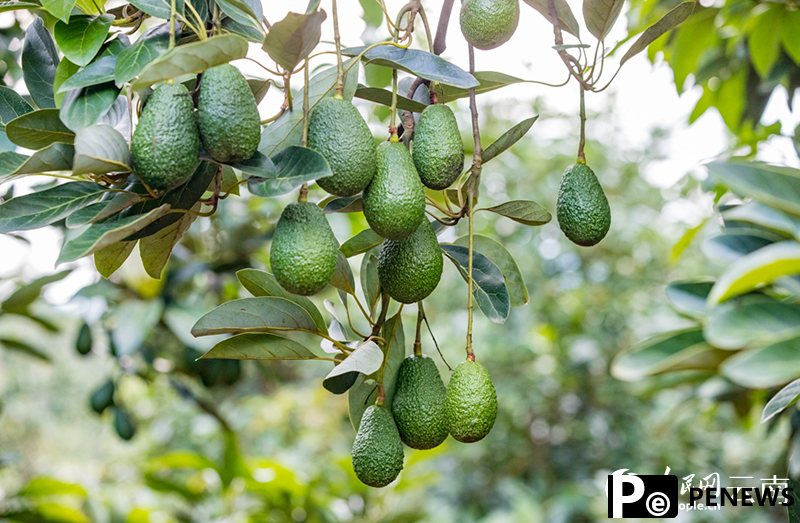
<point>581,390</point>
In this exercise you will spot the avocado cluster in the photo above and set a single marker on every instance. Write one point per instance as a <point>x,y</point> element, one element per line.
<point>423,412</point>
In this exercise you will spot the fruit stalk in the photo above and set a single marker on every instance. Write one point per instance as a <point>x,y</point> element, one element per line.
<point>338,43</point>
<point>582,142</point>
<point>304,188</point>
<point>417,340</point>
<point>439,43</point>
<point>472,183</point>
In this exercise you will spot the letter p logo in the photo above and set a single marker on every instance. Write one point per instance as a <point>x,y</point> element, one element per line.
<point>616,492</point>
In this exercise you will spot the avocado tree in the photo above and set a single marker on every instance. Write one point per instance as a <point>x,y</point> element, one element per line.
<point>144,137</point>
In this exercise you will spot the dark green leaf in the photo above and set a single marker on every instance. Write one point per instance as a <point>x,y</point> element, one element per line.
<point>23,347</point>
<point>785,397</point>
<point>370,283</point>
<point>64,71</point>
<point>341,383</point>
<point>600,15</point>
<point>756,269</point>
<point>489,81</point>
<point>732,246</point>
<point>508,139</point>
<point>259,347</point>
<point>12,105</point>
<point>98,72</point>
<point>20,300</point>
<point>246,31</point>
<point>667,22</point>
<point>764,216</point>
<point>499,255</point>
<point>254,315</point>
<point>245,12</point>
<point>767,367</point>
<point>38,129</point>
<point>344,204</point>
<point>292,39</point>
<point>101,210</point>
<point>670,351</point>
<point>777,187</point>
<point>82,38</point>
<point>82,108</point>
<point>55,157</point>
<point>566,20</point>
<point>523,211</point>
<point>147,48</point>
<point>258,166</point>
<point>361,242</point>
<point>384,97</point>
<point>45,207</point>
<point>100,149</point>
<point>118,117</point>
<point>160,8</point>
<point>489,288</point>
<point>295,166</point>
<point>39,61</point>
<point>342,277</point>
<point>259,88</point>
<point>757,321</point>
<point>419,63</point>
<point>689,297</point>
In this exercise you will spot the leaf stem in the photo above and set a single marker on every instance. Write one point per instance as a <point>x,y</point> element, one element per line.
<point>338,42</point>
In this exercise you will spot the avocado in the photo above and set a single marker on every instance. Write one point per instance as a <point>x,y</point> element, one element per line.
<point>304,250</point>
<point>102,397</point>
<point>418,403</point>
<point>487,24</point>
<point>165,148</point>
<point>438,152</point>
<point>411,268</point>
<point>394,202</point>
<point>230,127</point>
<point>377,449</point>
<point>470,405</point>
<point>582,207</point>
<point>338,132</point>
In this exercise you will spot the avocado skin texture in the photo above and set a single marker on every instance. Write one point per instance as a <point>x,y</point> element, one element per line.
<point>418,403</point>
<point>165,148</point>
<point>470,405</point>
<point>304,250</point>
<point>230,126</point>
<point>438,152</point>
<point>411,268</point>
<point>394,202</point>
<point>338,132</point>
<point>487,24</point>
<point>377,449</point>
<point>582,207</point>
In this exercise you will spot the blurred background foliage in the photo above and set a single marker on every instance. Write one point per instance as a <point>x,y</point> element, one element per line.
<point>106,416</point>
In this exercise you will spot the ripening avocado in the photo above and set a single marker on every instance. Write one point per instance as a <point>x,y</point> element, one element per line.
<point>470,405</point>
<point>418,403</point>
<point>582,207</point>
<point>165,148</point>
<point>339,133</point>
<point>304,250</point>
<point>411,268</point>
<point>438,152</point>
<point>230,127</point>
<point>377,450</point>
<point>487,24</point>
<point>394,202</point>
<point>102,397</point>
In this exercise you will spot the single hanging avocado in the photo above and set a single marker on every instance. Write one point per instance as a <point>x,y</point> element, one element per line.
<point>487,24</point>
<point>394,202</point>
<point>304,250</point>
<point>165,147</point>
<point>418,403</point>
<point>582,207</point>
<point>338,132</point>
<point>410,269</point>
<point>438,152</point>
<point>470,405</point>
<point>230,126</point>
<point>377,449</point>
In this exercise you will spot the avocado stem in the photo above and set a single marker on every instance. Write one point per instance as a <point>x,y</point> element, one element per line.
<point>417,340</point>
<point>582,142</point>
<point>472,183</point>
<point>338,43</point>
<point>303,196</point>
<point>381,395</point>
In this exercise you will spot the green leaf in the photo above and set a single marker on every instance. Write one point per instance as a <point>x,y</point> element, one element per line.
<point>384,97</point>
<point>15,6</point>
<point>98,72</point>
<point>366,359</point>
<point>785,397</point>
<point>133,322</point>
<point>600,15</point>
<point>419,63</point>
<point>61,9</point>
<point>370,283</point>
<point>373,16</point>
<point>342,277</point>
<point>292,39</point>
<point>523,211</point>
<point>254,315</point>
<point>160,8</point>
<point>756,269</point>
<point>789,29</point>
<point>361,242</point>
<point>777,187</point>
<point>689,297</point>
<point>38,209</point>
<point>55,157</point>
<point>770,366</point>
<point>38,129</point>
<point>82,38</point>
<point>288,129</point>
<point>764,39</point>
<point>258,165</point>
<point>101,210</point>
<point>262,283</point>
<point>259,88</point>
<point>246,31</point>
<point>669,21</point>
<point>342,383</point>
<point>100,149</point>
<point>671,351</point>
<point>39,61</point>
<point>100,235</point>
<point>489,81</point>
<point>192,59</point>
<point>294,166</point>
<point>44,486</point>
<point>508,139</point>
<point>20,300</point>
<point>64,71</point>
<point>83,108</point>
<point>259,347</point>
<point>730,247</point>
<point>12,105</point>
<point>245,12</point>
<point>499,255</point>
<point>24,347</point>
<point>566,20</point>
<point>489,288</point>
<point>111,257</point>
<point>758,321</point>
<point>155,249</point>
<point>764,216</point>
<point>152,44</point>
<point>344,204</point>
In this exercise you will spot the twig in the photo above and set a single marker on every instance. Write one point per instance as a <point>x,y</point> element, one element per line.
<point>435,344</point>
<point>439,43</point>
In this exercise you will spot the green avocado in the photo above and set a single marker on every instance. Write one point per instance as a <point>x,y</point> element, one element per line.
<point>582,207</point>
<point>165,148</point>
<point>411,268</point>
<point>418,403</point>
<point>394,202</point>
<point>470,405</point>
<point>377,449</point>
<point>438,152</point>
<point>230,126</point>
<point>304,250</point>
<point>338,132</point>
<point>487,24</point>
